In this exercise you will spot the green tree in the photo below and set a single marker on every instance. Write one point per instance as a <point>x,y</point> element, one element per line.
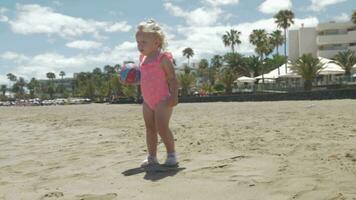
<point>307,66</point>
<point>33,86</point>
<point>50,89</point>
<point>254,65</point>
<point>216,62</point>
<point>83,84</point>
<point>51,76</point>
<point>61,89</point>
<point>353,17</point>
<point>20,85</point>
<point>275,62</point>
<point>97,82</point>
<point>203,69</point>
<point>188,53</point>
<point>263,47</point>
<point>231,39</point>
<point>109,69</point>
<point>277,39</point>
<point>346,59</point>
<point>3,89</point>
<point>11,77</point>
<point>116,87</point>
<point>186,80</point>
<point>62,74</point>
<point>237,63</point>
<point>227,77</point>
<point>284,19</point>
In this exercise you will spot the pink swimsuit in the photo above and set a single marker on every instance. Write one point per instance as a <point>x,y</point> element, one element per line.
<point>154,84</point>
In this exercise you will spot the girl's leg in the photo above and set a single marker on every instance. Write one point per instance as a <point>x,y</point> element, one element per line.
<point>162,116</point>
<point>151,131</point>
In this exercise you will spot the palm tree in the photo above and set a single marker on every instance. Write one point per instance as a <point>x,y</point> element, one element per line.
<point>188,53</point>
<point>3,89</point>
<point>216,63</point>
<point>227,77</point>
<point>186,80</point>
<point>32,87</point>
<point>11,77</point>
<point>353,17</point>
<point>263,46</point>
<point>109,69</point>
<point>307,66</point>
<point>62,74</point>
<point>21,83</point>
<point>346,59</point>
<point>237,63</point>
<point>203,69</point>
<point>254,65</point>
<point>51,76</point>
<point>277,39</point>
<point>284,19</point>
<point>61,89</point>
<point>231,39</point>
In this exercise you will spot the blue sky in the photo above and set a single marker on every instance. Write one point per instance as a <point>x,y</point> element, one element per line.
<point>40,36</point>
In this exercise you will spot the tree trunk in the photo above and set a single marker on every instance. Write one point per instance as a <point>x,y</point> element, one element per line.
<point>307,85</point>
<point>278,56</point>
<point>228,89</point>
<point>285,48</point>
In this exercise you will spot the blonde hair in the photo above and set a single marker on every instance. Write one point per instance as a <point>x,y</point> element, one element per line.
<point>151,26</point>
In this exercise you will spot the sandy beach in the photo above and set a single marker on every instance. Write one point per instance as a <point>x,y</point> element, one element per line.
<point>238,150</point>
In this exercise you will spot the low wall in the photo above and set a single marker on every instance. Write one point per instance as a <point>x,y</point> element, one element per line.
<point>312,95</point>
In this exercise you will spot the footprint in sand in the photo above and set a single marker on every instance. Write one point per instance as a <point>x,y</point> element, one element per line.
<point>52,195</point>
<point>109,196</point>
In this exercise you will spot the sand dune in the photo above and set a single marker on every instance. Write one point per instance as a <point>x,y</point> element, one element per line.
<point>250,150</point>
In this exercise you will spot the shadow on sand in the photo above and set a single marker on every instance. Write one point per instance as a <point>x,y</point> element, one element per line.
<point>154,173</point>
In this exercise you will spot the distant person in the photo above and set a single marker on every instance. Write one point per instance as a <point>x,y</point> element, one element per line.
<point>159,90</point>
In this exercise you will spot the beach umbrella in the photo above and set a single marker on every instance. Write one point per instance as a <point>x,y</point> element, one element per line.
<point>290,75</point>
<point>245,79</point>
<point>330,67</point>
<point>274,73</point>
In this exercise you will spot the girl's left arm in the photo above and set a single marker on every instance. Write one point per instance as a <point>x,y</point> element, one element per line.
<point>168,68</point>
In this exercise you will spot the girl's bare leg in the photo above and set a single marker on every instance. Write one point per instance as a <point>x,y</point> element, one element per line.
<point>162,115</point>
<point>151,131</point>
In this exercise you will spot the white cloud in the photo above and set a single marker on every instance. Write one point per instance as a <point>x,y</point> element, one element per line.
<point>205,40</point>
<point>13,56</point>
<point>273,6</point>
<point>343,17</point>
<point>84,44</point>
<point>3,79</point>
<point>306,22</point>
<point>37,66</point>
<point>3,18</point>
<point>193,36</point>
<point>318,5</point>
<point>198,17</point>
<point>34,18</point>
<point>221,2</point>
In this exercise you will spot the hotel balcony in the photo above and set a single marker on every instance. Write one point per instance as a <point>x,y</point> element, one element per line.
<point>334,26</point>
<point>327,53</point>
<point>349,37</point>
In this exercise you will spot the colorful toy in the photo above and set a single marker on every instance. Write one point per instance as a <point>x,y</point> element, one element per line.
<point>130,73</point>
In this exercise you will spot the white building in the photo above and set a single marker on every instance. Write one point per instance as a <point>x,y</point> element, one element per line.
<point>325,40</point>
